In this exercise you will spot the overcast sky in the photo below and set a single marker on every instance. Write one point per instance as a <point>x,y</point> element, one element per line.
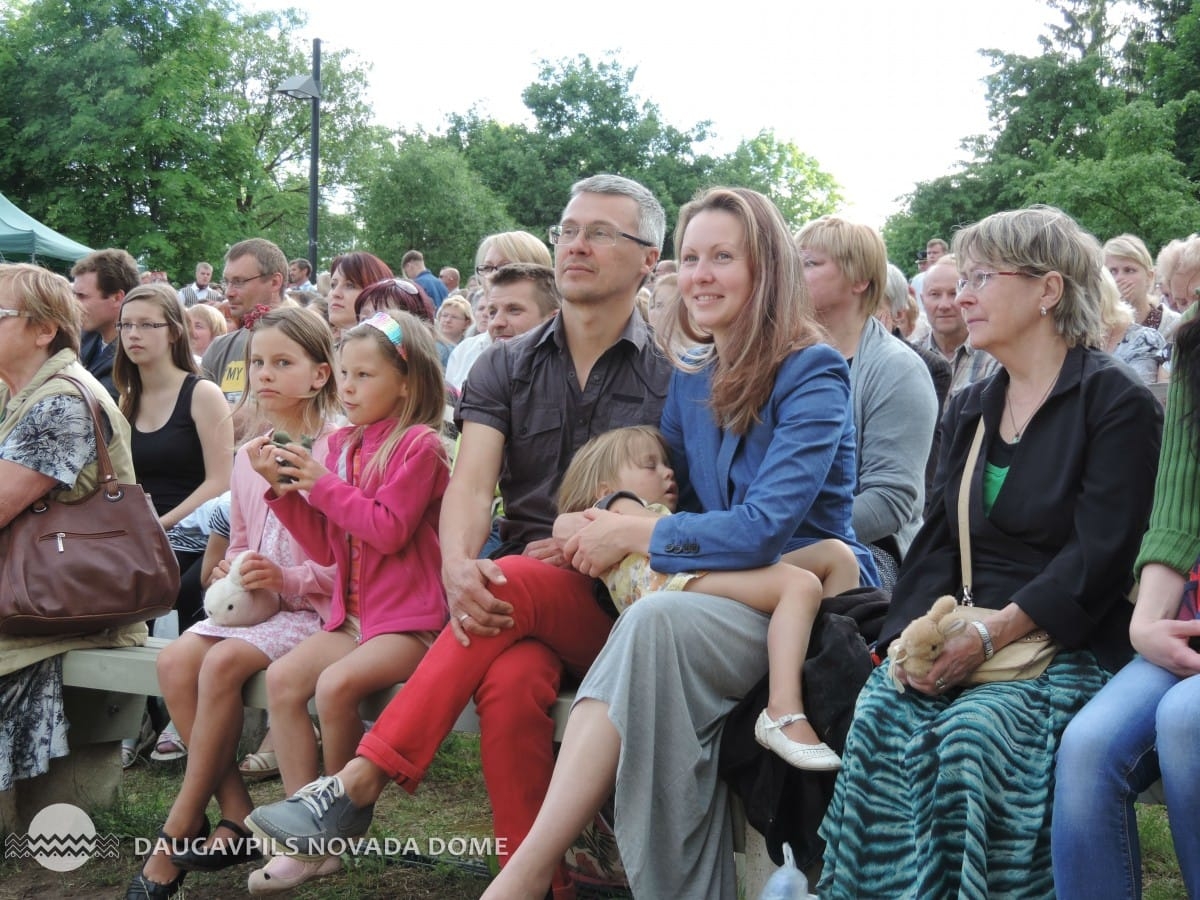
<point>880,92</point>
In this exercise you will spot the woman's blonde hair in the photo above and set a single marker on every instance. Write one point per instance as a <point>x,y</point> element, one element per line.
<point>416,358</point>
<point>858,251</point>
<point>47,298</point>
<point>1132,247</point>
<point>1115,313</point>
<point>212,318</point>
<point>315,339</point>
<point>126,375</point>
<point>594,468</point>
<point>775,323</point>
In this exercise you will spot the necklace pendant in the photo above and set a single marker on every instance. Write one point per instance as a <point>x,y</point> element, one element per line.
<point>1017,438</point>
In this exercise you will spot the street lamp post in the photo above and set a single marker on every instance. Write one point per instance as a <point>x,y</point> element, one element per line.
<point>305,87</point>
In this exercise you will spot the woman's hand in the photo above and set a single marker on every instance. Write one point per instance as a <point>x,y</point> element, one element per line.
<point>473,609</point>
<point>258,573</point>
<point>1164,642</point>
<point>1155,632</point>
<point>606,539</point>
<point>961,655</point>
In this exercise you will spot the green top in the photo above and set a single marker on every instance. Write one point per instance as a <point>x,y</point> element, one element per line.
<point>993,480</point>
<point>1173,538</point>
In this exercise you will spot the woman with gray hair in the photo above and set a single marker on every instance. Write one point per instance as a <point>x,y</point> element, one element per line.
<point>945,789</point>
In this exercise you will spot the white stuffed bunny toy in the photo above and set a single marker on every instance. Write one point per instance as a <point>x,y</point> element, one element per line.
<point>228,603</point>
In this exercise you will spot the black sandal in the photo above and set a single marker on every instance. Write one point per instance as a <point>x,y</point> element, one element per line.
<point>142,888</point>
<point>223,855</point>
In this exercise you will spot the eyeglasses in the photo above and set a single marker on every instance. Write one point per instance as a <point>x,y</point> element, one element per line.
<point>6,313</point>
<point>976,280</point>
<point>596,235</point>
<point>452,316</point>
<point>131,327</point>
<point>486,270</point>
<point>240,283</point>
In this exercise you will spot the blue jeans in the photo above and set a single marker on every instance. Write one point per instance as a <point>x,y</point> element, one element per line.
<point>1145,722</point>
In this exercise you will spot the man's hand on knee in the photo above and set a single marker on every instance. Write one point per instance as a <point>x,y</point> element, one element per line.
<point>473,608</point>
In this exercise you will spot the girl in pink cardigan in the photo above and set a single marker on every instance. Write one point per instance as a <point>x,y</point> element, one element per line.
<point>374,513</point>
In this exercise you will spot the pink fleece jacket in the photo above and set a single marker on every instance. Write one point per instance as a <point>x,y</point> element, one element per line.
<point>247,516</point>
<point>395,517</point>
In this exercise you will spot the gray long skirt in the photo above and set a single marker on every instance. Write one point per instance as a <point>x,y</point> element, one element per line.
<point>673,667</point>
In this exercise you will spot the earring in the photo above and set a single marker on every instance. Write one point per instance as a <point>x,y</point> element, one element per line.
<point>1043,311</point>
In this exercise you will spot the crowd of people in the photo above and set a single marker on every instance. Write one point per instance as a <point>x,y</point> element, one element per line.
<point>643,476</point>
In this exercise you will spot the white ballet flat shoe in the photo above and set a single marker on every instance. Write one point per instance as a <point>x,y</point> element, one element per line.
<point>814,757</point>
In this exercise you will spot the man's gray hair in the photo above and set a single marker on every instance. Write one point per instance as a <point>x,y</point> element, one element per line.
<point>652,221</point>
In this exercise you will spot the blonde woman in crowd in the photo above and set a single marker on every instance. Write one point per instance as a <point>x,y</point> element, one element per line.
<point>1138,346</point>
<point>1129,262</point>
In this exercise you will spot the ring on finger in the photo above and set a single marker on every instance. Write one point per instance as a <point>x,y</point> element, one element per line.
<point>463,618</point>
<point>940,684</point>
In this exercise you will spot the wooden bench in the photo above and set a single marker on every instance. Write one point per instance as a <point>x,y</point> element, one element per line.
<point>132,671</point>
<point>104,695</point>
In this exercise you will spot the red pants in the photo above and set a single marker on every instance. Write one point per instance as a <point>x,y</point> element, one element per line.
<point>514,681</point>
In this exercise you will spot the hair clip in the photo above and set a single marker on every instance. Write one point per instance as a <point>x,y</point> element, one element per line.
<point>391,330</point>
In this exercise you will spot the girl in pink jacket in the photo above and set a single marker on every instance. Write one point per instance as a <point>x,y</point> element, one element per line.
<point>372,510</point>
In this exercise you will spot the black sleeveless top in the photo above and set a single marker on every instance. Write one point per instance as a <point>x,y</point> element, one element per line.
<point>170,462</point>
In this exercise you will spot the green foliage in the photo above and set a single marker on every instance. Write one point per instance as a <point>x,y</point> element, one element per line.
<point>424,195</point>
<point>153,126</point>
<point>1138,186</point>
<point>792,179</point>
<point>1102,123</point>
<point>587,119</point>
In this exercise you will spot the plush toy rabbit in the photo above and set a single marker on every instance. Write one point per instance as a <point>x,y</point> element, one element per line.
<point>228,603</point>
<point>921,642</point>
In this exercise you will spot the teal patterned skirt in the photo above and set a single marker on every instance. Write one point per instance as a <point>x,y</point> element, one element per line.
<point>950,796</point>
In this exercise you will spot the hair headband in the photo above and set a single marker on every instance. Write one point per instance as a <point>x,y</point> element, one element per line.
<point>391,330</point>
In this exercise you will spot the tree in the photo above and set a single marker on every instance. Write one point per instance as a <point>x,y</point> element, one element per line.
<point>423,195</point>
<point>1138,186</point>
<point>793,180</point>
<point>152,126</point>
<point>587,120</point>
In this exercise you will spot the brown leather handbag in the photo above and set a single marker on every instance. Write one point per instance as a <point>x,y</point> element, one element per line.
<point>100,562</point>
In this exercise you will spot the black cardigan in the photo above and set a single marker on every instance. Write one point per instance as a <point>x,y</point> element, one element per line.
<point>1064,531</point>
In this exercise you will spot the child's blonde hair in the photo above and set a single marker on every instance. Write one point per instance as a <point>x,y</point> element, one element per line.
<point>312,334</point>
<point>416,358</point>
<point>597,464</point>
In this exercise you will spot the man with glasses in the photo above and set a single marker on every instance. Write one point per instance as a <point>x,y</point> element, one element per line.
<point>256,273</point>
<point>100,282</point>
<point>948,329</point>
<point>528,404</point>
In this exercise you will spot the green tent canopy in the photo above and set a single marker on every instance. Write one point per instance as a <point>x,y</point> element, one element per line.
<point>24,237</point>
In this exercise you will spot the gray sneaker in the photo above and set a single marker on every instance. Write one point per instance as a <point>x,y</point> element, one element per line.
<point>314,822</point>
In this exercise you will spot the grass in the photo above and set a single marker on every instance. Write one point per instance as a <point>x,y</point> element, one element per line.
<point>452,802</point>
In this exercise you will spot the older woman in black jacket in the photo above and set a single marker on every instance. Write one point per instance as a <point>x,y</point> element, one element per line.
<point>945,790</point>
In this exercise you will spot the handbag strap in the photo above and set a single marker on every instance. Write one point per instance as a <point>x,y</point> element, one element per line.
<point>108,475</point>
<point>964,519</point>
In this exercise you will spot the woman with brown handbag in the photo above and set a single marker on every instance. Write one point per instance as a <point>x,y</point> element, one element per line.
<point>946,789</point>
<point>47,447</point>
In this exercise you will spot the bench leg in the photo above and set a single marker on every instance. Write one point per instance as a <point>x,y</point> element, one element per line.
<point>89,777</point>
